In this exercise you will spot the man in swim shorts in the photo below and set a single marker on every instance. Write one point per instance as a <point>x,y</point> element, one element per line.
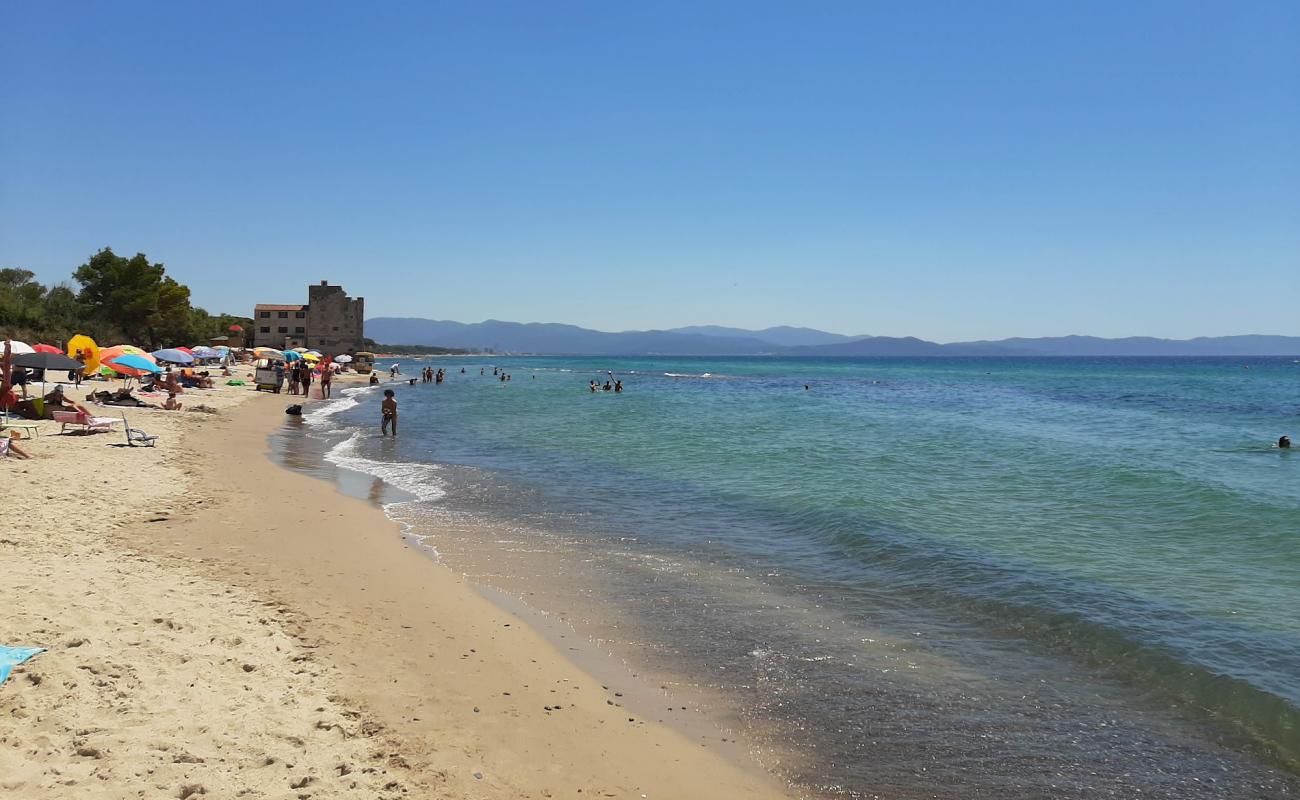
<point>388,409</point>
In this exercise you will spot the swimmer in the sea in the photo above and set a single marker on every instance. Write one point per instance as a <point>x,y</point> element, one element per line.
<point>1284,442</point>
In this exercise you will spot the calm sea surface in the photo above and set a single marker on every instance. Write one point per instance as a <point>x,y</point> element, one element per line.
<point>955,578</point>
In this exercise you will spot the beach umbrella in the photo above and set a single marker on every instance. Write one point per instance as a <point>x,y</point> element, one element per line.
<point>299,349</point>
<point>269,353</point>
<point>46,348</point>
<point>343,359</point>
<point>291,355</point>
<point>175,355</point>
<point>89,351</point>
<point>18,348</point>
<point>132,364</point>
<point>55,361</point>
<point>46,361</point>
<point>311,356</point>
<point>205,352</point>
<point>185,350</point>
<point>111,353</point>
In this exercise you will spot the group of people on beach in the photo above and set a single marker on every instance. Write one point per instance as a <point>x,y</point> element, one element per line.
<point>300,376</point>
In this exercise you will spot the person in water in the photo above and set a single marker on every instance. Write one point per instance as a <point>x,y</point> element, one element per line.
<point>618,386</point>
<point>388,413</point>
<point>1284,442</point>
<point>594,387</point>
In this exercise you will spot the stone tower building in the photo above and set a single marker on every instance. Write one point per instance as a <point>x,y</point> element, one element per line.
<point>335,322</point>
<point>330,322</point>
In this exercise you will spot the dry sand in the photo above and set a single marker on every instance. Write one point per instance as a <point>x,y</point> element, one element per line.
<point>217,625</point>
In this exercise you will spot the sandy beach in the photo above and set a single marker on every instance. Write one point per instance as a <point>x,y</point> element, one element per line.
<point>217,625</point>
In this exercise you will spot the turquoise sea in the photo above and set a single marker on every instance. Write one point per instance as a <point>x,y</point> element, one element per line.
<point>955,578</point>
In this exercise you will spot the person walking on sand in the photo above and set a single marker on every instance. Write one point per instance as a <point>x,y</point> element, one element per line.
<point>326,377</point>
<point>388,410</point>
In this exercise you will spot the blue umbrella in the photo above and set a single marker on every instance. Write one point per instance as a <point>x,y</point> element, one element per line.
<point>291,355</point>
<point>133,361</point>
<point>203,352</point>
<point>173,355</point>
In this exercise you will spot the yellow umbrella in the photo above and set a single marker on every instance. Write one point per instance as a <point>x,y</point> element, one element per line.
<point>89,351</point>
<point>310,357</point>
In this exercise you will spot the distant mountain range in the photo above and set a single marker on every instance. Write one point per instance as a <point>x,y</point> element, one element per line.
<point>699,340</point>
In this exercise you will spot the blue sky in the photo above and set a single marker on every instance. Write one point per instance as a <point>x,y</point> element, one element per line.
<point>945,170</point>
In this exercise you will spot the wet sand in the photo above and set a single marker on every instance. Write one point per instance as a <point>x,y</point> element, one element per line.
<point>480,704</point>
<point>217,625</point>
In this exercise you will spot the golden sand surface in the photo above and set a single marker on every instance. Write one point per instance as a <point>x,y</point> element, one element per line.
<point>219,626</point>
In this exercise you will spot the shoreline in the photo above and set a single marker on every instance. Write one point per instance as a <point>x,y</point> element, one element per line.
<point>218,624</point>
<point>461,657</point>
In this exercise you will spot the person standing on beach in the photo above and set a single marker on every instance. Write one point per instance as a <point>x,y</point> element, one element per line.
<point>388,411</point>
<point>306,378</point>
<point>326,377</point>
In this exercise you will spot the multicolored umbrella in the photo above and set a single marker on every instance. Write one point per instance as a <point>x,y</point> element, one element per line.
<point>269,352</point>
<point>111,353</point>
<point>132,364</point>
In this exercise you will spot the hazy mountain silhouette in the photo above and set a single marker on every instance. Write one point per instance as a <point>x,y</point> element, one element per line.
<point>537,337</point>
<point>781,335</point>
<point>550,337</point>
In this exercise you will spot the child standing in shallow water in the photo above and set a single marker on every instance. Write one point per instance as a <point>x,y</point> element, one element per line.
<point>388,409</point>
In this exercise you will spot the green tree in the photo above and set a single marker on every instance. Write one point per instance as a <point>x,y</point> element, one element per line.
<point>136,297</point>
<point>20,299</point>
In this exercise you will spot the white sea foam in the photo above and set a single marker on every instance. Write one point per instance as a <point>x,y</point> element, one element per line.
<point>348,398</point>
<point>414,478</point>
<point>420,480</point>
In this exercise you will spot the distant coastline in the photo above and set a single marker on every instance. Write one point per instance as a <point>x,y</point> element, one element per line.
<point>408,336</point>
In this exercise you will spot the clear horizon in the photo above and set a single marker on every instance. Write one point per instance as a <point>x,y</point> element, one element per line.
<point>951,174</point>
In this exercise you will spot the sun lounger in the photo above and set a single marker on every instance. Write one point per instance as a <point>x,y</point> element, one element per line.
<point>136,436</point>
<point>87,423</point>
<point>29,429</point>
